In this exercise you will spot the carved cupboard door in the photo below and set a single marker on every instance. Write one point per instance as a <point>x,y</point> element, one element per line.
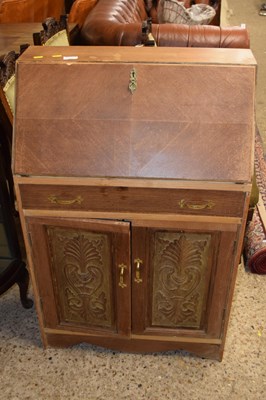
<point>83,273</point>
<point>180,279</point>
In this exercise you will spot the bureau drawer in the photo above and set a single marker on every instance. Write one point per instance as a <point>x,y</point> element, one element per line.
<point>131,199</point>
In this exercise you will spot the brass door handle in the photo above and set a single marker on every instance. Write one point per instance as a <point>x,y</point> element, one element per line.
<point>55,200</point>
<point>139,262</point>
<point>121,283</point>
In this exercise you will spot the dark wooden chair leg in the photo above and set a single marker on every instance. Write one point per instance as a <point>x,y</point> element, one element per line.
<point>16,272</point>
<point>23,283</point>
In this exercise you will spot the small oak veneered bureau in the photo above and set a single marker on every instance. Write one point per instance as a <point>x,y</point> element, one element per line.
<point>133,171</point>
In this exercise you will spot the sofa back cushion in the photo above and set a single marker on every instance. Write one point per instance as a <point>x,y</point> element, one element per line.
<point>114,23</point>
<point>121,11</point>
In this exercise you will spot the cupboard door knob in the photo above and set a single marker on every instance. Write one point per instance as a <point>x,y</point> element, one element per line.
<point>121,283</point>
<point>139,262</point>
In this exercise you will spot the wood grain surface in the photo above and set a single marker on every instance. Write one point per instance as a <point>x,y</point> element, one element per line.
<point>186,120</point>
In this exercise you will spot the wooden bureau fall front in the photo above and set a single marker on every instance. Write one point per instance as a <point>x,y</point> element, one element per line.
<point>133,171</point>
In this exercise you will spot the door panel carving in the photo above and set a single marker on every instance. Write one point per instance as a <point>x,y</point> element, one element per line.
<point>81,266</point>
<point>180,267</point>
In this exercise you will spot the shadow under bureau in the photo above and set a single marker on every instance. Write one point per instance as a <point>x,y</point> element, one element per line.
<point>133,171</point>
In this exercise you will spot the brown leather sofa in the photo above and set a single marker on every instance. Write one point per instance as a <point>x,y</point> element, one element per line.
<point>13,11</point>
<point>119,23</point>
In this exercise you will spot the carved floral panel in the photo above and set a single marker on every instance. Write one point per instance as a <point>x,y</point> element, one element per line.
<point>81,263</point>
<point>180,270</point>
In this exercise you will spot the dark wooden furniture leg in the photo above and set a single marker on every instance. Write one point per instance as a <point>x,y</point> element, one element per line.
<point>12,267</point>
<point>16,272</point>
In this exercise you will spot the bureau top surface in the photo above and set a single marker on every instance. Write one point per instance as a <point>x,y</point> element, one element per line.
<point>79,54</point>
<point>135,112</point>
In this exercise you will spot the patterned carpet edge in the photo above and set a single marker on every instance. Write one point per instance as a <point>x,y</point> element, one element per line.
<point>255,235</point>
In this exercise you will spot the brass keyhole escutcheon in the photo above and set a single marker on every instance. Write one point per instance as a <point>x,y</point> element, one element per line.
<point>133,80</point>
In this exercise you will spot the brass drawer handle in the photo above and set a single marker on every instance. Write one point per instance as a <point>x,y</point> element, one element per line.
<point>121,283</point>
<point>139,262</point>
<point>193,205</point>
<point>55,200</point>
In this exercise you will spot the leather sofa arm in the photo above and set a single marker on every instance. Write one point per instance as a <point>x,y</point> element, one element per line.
<point>106,33</point>
<point>171,35</point>
<point>80,10</point>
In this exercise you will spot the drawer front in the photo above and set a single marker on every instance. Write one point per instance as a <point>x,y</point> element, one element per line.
<point>128,199</point>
